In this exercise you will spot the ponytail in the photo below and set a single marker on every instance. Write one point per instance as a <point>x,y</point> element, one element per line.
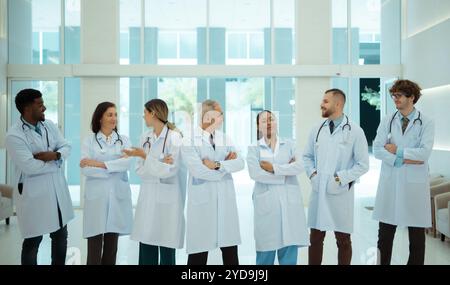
<point>173,127</point>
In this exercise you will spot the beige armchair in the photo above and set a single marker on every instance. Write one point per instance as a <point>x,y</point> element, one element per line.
<point>442,206</point>
<point>437,189</point>
<point>6,205</point>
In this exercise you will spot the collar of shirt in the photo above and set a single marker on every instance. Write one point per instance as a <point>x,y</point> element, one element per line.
<point>33,127</point>
<point>336,122</point>
<point>262,143</point>
<point>107,139</point>
<point>162,135</point>
<point>410,117</point>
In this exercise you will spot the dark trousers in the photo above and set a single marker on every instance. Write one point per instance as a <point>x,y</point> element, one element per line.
<point>148,255</point>
<point>344,245</point>
<point>30,246</point>
<point>386,233</point>
<point>102,249</point>
<point>229,256</point>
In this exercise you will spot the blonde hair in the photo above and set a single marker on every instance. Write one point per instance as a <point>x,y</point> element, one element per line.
<point>159,107</point>
<point>207,106</point>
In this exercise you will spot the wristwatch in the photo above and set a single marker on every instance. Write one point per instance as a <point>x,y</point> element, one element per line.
<point>217,165</point>
<point>58,156</point>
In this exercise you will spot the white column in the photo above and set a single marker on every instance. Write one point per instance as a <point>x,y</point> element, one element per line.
<point>313,46</point>
<point>3,63</point>
<point>3,102</point>
<point>99,45</point>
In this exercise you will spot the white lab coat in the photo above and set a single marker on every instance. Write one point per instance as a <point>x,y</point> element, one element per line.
<point>44,185</point>
<point>279,217</point>
<point>107,196</point>
<point>212,215</point>
<point>403,195</point>
<point>344,153</point>
<point>159,216</point>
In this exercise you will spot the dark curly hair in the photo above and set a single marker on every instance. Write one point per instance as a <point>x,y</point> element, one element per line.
<point>408,88</point>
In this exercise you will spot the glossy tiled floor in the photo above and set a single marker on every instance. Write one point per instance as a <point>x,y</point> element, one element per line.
<point>364,238</point>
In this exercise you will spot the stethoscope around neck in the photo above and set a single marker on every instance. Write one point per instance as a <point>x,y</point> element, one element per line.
<point>148,144</point>
<point>346,125</point>
<point>117,140</point>
<point>24,124</point>
<point>418,119</point>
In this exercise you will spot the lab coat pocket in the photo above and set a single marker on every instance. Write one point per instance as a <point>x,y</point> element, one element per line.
<point>123,189</point>
<point>315,183</point>
<point>35,186</point>
<point>94,188</point>
<point>334,188</point>
<point>166,193</point>
<point>293,194</point>
<point>416,173</point>
<point>199,194</point>
<point>263,202</point>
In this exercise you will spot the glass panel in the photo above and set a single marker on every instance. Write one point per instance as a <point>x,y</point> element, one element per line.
<point>256,48</point>
<point>130,31</point>
<point>237,45</point>
<point>340,32</point>
<point>72,134</point>
<point>249,17</point>
<point>72,31</point>
<point>183,20</point>
<point>167,45</point>
<point>366,29</point>
<point>188,45</point>
<point>34,31</point>
<point>284,22</point>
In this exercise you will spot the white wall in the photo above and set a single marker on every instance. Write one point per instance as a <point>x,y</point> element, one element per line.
<point>99,45</point>
<point>313,27</point>
<point>3,62</point>
<point>426,59</point>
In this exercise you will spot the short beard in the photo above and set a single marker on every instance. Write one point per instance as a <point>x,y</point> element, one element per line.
<point>327,113</point>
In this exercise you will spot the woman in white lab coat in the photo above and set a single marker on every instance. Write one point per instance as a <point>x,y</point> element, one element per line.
<point>404,143</point>
<point>159,218</point>
<point>279,217</point>
<point>107,200</point>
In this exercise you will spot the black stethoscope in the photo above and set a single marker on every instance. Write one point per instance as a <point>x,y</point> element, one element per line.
<point>117,140</point>
<point>24,124</point>
<point>343,127</point>
<point>147,143</point>
<point>418,119</point>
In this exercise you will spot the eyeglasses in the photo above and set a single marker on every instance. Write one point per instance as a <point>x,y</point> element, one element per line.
<point>398,95</point>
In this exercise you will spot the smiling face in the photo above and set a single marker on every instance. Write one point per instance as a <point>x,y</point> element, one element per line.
<point>328,105</point>
<point>109,119</point>
<point>37,109</point>
<point>401,101</point>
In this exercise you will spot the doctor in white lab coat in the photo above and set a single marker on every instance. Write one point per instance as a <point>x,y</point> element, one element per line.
<point>279,217</point>
<point>43,205</point>
<point>404,143</point>
<point>336,155</point>
<point>107,200</point>
<point>159,218</point>
<point>212,215</point>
